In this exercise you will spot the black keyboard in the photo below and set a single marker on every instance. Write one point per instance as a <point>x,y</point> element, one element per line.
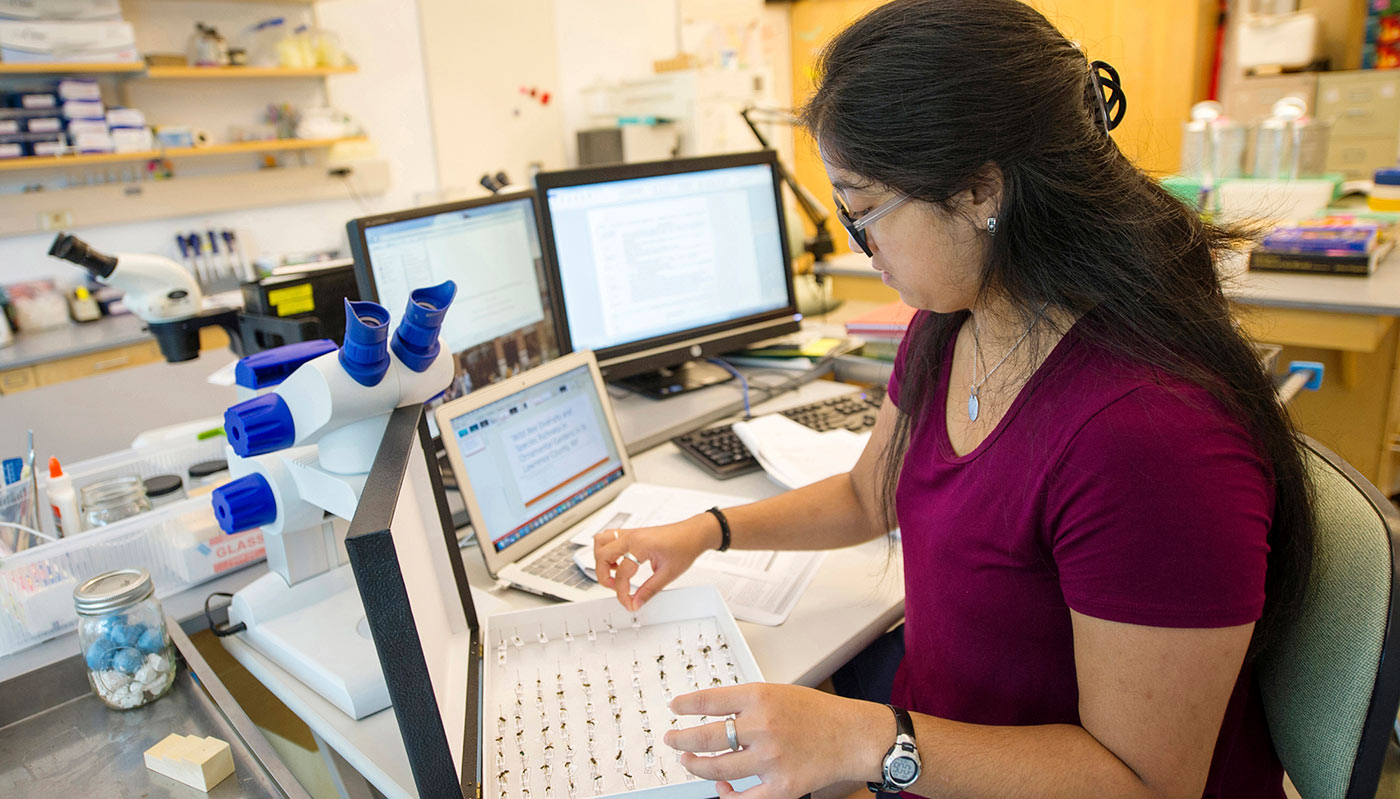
<point>719,451</point>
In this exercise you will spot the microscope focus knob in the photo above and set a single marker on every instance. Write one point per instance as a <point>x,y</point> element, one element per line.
<point>244,503</point>
<point>259,425</point>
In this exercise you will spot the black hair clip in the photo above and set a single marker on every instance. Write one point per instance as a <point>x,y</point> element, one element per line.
<point>1108,93</point>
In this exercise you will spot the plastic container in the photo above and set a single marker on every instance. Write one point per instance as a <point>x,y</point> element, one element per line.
<point>112,500</point>
<point>295,50</point>
<point>1212,147</point>
<point>63,501</point>
<point>121,631</point>
<point>1385,195</point>
<point>326,48</point>
<point>180,544</point>
<point>261,42</point>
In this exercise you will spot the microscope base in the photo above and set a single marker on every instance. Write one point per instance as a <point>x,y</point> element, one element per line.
<point>316,631</point>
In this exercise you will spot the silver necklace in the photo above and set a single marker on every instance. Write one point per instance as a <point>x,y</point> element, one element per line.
<point>972,404</point>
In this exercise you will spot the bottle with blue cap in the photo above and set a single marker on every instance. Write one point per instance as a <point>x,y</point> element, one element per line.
<point>1385,194</point>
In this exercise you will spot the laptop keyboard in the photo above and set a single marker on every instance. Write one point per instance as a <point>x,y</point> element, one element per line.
<point>557,565</point>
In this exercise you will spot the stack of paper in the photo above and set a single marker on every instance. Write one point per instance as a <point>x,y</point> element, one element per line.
<point>795,455</point>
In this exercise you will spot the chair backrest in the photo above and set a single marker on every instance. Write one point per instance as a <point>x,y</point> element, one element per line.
<point>1331,685</point>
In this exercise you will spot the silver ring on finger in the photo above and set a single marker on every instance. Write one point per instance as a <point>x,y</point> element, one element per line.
<point>731,734</point>
<point>632,558</point>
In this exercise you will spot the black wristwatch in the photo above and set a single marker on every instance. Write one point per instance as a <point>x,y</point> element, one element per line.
<point>902,764</point>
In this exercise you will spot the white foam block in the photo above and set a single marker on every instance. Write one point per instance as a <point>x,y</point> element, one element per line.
<point>197,762</point>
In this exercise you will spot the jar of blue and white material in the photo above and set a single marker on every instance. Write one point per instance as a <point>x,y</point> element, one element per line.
<point>121,628</point>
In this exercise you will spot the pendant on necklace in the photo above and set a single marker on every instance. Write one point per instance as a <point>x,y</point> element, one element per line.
<point>972,406</point>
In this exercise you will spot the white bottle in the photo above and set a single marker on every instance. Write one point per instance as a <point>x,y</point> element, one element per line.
<point>63,500</point>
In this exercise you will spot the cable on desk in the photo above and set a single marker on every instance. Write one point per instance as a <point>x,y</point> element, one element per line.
<point>744,381</point>
<point>225,630</point>
<point>791,382</point>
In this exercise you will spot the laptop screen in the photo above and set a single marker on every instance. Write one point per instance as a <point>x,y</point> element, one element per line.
<point>535,454</point>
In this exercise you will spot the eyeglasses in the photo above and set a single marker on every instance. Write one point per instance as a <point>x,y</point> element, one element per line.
<point>856,227</point>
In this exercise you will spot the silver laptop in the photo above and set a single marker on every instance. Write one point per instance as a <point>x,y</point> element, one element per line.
<point>534,456</point>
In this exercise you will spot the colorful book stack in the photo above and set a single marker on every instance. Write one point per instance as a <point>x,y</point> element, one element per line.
<point>1337,245</point>
<point>882,329</point>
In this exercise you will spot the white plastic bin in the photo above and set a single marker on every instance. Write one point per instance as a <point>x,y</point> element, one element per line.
<point>180,544</point>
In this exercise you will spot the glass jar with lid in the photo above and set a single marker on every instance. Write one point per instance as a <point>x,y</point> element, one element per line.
<point>114,499</point>
<point>121,629</point>
<point>164,489</point>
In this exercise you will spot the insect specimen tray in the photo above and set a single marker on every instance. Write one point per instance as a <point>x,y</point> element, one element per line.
<point>568,701</point>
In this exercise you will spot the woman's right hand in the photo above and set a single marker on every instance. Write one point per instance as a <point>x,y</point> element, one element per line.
<point>670,548</point>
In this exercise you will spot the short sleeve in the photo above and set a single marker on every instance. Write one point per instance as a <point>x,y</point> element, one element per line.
<point>897,376</point>
<point>1159,514</point>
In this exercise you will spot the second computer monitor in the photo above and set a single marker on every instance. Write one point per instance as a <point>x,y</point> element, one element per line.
<point>656,264</point>
<point>502,319</point>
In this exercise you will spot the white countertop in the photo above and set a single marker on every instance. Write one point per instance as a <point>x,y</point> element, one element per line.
<point>1378,294</point>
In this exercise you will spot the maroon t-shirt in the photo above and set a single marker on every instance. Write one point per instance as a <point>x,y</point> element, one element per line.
<point>1107,488</point>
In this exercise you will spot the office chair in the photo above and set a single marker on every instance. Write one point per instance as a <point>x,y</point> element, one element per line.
<point>1331,685</point>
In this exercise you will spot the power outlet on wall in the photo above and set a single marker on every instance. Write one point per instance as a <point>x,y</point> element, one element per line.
<point>55,220</point>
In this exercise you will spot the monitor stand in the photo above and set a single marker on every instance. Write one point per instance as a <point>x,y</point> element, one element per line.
<point>675,380</point>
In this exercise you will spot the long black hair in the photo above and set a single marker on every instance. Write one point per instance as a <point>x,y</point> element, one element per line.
<point>924,96</point>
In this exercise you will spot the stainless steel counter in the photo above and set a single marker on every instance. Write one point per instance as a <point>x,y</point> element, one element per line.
<point>57,739</point>
<point>70,340</point>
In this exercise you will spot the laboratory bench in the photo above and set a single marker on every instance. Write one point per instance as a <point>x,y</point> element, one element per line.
<point>1347,323</point>
<point>78,350</point>
<point>856,595</point>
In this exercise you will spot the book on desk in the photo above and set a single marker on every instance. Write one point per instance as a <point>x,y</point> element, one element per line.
<point>1331,246</point>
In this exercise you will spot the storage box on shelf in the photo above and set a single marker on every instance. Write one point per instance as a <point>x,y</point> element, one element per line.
<point>180,544</point>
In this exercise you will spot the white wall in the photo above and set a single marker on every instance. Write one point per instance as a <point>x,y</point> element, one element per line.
<point>606,41</point>
<point>388,96</point>
<point>478,57</point>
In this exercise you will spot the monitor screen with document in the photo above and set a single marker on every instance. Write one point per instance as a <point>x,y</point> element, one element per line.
<point>653,265</point>
<point>502,320</point>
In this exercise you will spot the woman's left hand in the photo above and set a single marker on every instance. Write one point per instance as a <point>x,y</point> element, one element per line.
<point>795,739</point>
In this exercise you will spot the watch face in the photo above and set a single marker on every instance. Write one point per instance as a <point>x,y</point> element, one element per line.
<point>904,770</point>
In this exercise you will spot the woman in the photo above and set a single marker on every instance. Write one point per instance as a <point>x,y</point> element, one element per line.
<point>1104,513</point>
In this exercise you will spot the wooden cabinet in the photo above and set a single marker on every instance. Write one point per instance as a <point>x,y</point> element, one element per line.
<point>96,363</point>
<point>14,381</point>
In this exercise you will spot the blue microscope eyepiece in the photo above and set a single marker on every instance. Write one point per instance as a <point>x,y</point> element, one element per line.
<point>365,353</point>
<point>416,340</point>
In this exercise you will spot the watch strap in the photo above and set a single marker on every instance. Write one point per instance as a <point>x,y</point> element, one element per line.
<point>903,730</point>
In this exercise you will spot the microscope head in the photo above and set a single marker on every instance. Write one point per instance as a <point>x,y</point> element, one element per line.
<point>157,290</point>
<point>369,376</point>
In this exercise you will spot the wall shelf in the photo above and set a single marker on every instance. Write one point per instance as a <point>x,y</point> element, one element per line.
<point>69,69</point>
<point>234,148</point>
<point>191,195</point>
<point>225,73</point>
<point>264,2</point>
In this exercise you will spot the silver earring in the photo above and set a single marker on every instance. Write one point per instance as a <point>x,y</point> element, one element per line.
<point>991,226</point>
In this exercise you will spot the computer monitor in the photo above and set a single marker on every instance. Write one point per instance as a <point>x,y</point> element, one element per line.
<point>653,265</point>
<point>502,320</point>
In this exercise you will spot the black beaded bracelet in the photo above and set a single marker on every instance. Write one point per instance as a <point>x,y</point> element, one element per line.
<point>723,528</point>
